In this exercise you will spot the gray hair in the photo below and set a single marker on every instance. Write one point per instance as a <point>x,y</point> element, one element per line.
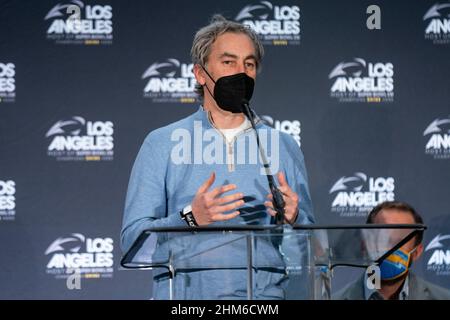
<point>205,37</point>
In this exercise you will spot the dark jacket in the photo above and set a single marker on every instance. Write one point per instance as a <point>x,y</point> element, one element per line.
<point>419,289</point>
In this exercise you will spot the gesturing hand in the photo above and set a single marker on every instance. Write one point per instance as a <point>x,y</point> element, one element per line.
<point>208,206</point>
<point>290,199</point>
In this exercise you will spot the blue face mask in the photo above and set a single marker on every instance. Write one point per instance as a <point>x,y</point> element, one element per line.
<point>396,265</point>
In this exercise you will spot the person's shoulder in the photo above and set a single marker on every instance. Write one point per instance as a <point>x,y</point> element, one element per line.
<point>352,291</point>
<point>424,290</point>
<point>289,146</point>
<point>163,135</point>
<point>285,139</point>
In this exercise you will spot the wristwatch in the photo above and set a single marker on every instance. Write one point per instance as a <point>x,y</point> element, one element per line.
<point>188,216</point>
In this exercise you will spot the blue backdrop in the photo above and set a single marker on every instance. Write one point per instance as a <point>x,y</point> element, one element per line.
<point>370,109</point>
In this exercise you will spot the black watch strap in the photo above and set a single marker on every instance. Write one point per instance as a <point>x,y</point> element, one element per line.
<point>188,216</point>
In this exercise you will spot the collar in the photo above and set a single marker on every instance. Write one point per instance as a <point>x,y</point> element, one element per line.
<point>243,126</point>
<point>205,116</point>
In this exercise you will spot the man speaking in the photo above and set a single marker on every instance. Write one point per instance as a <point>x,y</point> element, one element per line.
<point>204,169</point>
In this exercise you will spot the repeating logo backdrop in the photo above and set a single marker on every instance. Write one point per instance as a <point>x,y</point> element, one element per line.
<point>83,82</point>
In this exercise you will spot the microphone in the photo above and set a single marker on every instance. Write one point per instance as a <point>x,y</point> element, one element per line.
<point>278,201</point>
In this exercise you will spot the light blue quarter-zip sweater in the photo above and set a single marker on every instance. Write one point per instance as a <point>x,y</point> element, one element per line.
<point>175,160</point>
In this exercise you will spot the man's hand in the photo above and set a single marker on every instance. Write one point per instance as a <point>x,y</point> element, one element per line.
<point>290,199</point>
<point>208,207</point>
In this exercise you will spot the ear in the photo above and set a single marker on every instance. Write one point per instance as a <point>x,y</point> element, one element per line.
<point>199,74</point>
<point>416,254</point>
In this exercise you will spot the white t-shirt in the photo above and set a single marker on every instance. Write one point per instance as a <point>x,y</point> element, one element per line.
<point>231,133</point>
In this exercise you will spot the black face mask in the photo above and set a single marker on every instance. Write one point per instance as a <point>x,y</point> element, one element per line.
<point>230,92</point>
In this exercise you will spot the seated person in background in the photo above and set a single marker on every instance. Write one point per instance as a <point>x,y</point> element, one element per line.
<point>397,281</point>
